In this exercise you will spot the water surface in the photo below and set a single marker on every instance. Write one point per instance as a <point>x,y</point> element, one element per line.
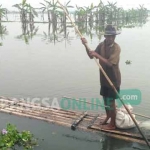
<point>47,69</point>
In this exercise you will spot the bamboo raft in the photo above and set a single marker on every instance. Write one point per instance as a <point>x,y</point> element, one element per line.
<point>80,120</point>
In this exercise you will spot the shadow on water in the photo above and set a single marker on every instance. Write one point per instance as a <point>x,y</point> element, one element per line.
<point>104,142</point>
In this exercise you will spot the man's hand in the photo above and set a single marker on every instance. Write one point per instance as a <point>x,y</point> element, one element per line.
<point>84,41</point>
<point>88,50</point>
<point>93,54</point>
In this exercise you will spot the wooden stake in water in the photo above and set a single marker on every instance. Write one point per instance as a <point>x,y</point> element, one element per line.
<point>104,73</point>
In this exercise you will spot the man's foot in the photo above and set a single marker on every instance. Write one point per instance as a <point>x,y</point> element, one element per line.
<point>104,122</point>
<point>108,127</point>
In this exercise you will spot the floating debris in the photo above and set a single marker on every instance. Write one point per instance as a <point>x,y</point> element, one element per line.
<point>128,62</point>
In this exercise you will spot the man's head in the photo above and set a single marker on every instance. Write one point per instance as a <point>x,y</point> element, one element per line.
<point>110,34</point>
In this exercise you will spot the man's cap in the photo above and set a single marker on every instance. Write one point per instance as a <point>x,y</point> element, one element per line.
<point>111,30</point>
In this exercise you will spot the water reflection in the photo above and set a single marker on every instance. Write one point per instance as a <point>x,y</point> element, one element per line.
<point>28,32</point>
<point>103,141</point>
<point>57,33</point>
<point>61,31</point>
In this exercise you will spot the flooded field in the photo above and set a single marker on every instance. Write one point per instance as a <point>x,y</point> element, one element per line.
<point>40,62</point>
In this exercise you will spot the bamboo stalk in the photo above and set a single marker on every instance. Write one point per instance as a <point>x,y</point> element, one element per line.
<point>34,115</point>
<point>42,109</point>
<point>111,84</point>
<point>28,104</point>
<point>36,106</point>
<point>52,118</point>
<point>51,112</point>
<point>38,113</point>
<point>45,115</point>
<point>76,122</point>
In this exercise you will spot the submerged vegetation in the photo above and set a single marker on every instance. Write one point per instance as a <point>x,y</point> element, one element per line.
<point>3,13</point>
<point>90,20</point>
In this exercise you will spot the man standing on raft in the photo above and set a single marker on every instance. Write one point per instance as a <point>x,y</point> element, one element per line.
<point>108,53</point>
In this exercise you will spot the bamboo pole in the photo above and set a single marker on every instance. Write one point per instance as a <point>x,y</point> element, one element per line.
<point>46,110</point>
<point>46,114</point>
<point>100,67</point>
<point>34,115</point>
<point>79,119</point>
<point>40,106</point>
<point>105,106</point>
<point>42,109</point>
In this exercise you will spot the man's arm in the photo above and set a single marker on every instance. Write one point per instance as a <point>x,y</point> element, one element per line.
<point>92,54</point>
<point>84,42</point>
<point>102,59</point>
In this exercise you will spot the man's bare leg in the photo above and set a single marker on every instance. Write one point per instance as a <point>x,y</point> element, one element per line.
<point>107,112</point>
<point>112,114</point>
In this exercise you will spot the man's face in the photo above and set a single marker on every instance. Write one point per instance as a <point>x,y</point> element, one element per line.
<point>110,39</point>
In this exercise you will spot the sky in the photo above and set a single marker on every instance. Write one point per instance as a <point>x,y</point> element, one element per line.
<point>120,3</point>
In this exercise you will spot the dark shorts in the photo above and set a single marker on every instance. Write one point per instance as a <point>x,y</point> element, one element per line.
<point>109,92</point>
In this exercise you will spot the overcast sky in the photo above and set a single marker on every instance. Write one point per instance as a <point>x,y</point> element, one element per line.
<point>120,3</point>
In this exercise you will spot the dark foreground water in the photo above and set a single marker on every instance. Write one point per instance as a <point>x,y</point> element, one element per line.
<point>54,137</point>
<point>43,69</point>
